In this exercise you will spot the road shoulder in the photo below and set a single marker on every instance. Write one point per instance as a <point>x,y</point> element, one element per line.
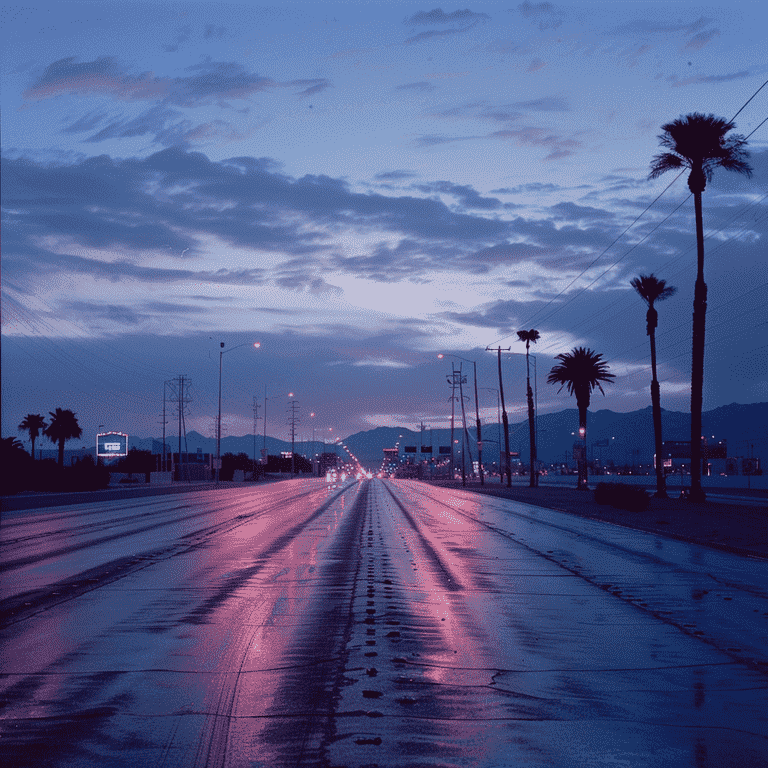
<point>739,529</point>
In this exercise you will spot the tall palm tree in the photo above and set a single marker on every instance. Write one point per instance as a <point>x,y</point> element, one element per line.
<point>581,370</point>
<point>530,336</point>
<point>34,424</point>
<point>699,142</point>
<point>63,427</point>
<point>651,290</point>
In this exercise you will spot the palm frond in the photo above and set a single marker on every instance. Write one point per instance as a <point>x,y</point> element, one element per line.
<point>663,163</point>
<point>580,369</point>
<point>652,289</point>
<point>700,141</point>
<point>529,336</point>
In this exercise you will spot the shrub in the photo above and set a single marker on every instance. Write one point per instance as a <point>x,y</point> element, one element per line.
<point>622,496</point>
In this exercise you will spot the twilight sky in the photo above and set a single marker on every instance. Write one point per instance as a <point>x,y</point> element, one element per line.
<point>359,186</point>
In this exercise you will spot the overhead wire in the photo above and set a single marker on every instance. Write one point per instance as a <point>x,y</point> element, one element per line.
<point>586,269</point>
<point>623,298</point>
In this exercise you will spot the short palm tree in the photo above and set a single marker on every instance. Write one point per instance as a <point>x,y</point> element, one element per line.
<point>581,370</point>
<point>699,142</point>
<point>651,290</point>
<point>63,427</point>
<point>530,336</point>
<point>33,424</point>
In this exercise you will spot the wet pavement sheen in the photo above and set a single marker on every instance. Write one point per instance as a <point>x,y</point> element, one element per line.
<point>383,623</point>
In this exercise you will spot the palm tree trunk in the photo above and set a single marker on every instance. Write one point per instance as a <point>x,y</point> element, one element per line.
<point>661,485</point>
<point>32,438</point>
<point>61,452</point>
<point>532,435</point>
<point>531,430</point>
<point>505,420</point>
<point>583,473</point>
<point>697,357</point>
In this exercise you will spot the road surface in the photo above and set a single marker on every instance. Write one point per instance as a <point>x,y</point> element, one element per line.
<point>382,623</point>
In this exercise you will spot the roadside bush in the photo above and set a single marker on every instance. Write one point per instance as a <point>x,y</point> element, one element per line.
<point>622,496</point>
<point>85,475</point>
<point>16,465</point>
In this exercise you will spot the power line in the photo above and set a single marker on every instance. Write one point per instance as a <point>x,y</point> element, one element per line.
<point>688,250</point>
<point>531,318</point>
<point>750,99</point>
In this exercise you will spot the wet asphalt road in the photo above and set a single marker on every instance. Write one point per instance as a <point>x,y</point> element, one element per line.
<point>383,623</point>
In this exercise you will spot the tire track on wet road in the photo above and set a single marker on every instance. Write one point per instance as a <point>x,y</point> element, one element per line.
<point>22,607</point>
<point>8,565</point>
<point>681,624</point>
<point>300,724</point>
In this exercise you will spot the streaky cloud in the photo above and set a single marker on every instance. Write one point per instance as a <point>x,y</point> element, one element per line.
<point>438,16</point>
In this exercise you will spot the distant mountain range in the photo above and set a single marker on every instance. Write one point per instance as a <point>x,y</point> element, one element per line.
<point>629,435</point>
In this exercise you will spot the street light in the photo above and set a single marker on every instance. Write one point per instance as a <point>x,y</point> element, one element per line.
<point>498,433</point>
<point>477,417</point>
<point>255,345</point>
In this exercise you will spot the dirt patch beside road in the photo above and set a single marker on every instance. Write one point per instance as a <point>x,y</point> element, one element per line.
<point>735,528</point>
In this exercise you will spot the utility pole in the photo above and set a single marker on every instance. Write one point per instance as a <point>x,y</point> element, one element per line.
<point>507,464</point>
<point>165,385</point>
<point>467,451</point>
<point>479,432</point>
<point>264,447</point>
<point>452,381</point>
<point>255,427</point>
<point>181,398</point>
<point>179,394</point>
<point>293,420</point>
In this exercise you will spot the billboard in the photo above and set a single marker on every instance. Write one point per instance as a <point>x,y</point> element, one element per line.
<point>111,445</point>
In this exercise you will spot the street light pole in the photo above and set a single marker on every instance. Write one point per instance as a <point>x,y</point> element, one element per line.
<point>256,345</point>
<point>218,423</point>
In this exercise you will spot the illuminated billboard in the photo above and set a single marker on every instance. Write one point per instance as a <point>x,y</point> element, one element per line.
<point>111,445</point>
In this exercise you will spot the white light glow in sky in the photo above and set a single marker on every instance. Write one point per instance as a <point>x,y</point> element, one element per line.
<point>359,185</point>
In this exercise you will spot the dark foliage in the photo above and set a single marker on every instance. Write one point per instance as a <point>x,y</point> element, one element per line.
<point>622,496</point>
<point>20,473</point>
<point>283,464</point>
<point>137,460</point>
<point>230,462</point>
<point>16,466</point>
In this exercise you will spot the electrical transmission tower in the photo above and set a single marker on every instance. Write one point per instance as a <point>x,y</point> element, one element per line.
<point>293,420</point>
<point>180,393</point>
<point>457,379</point>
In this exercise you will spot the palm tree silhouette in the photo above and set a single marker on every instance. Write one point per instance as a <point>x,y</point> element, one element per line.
<point>651,290</point>
<point>530,336</point>
<point>33,424</point>
<point>581,370</point>
<point>63,427</point>
<point>698,142</point>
